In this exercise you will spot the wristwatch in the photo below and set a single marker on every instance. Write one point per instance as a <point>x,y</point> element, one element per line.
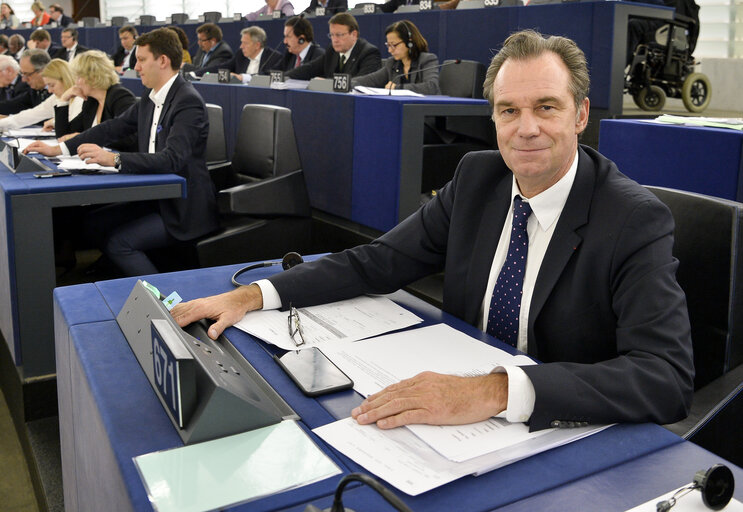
<point>117,161</point>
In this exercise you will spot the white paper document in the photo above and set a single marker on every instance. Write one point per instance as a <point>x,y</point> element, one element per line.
<point>381,91</point>
<point>74,162</point>
<point>328,324</point>
<point>31,131</point>
<point>24,143</point>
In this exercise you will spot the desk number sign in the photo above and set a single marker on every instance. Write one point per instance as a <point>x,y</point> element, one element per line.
<point>276,14</point>
<point>491,3</point>
<point>223,75</point>
<point>370,8</point>
<point>166,369</point>
<point>319,11</point>
<point>426,5</point>
<point>277,76</point>
<point>341,82</point>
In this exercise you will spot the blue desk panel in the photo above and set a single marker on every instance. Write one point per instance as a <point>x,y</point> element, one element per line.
<point>100,377</point>
<point>696,159</point>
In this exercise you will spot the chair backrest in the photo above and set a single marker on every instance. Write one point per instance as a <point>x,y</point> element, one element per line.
<point>212,16</point>
<point>463,80</point>
<point>119,21</point>
<point>90,21</point>
<point>709,245</point>
<point>266,146</point>
<point>179,18</point>
<point>216,145</point>
<point>147,19</point>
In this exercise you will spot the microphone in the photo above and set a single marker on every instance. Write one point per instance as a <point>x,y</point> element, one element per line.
<point>275,49</point>
<point>416,71</point>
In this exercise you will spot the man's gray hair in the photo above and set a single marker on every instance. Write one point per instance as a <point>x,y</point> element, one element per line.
<point>6,61</point>
<point>256,34</point>
<point>37,57</point>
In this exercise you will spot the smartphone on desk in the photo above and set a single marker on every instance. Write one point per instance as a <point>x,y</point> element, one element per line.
<point>52,174</point>
<point>313,372</point>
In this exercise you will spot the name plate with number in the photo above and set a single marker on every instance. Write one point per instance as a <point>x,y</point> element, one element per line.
<point>491,3</point>
<point>319,11</point>
<point>341,82</point>
<point>426,5</point>
<point>223,76</point>
<point>276,76</point>
<point>276,15</point>
<point>202,18</point>
<point>173,367</point>
<point>370,8</point>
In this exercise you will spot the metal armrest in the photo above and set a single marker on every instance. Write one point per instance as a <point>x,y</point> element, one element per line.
<point>285,195</point>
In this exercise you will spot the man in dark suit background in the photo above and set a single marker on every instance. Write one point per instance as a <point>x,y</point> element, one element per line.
<point>348,53</point>
<point>125,56</point>
<point>595,297</point>
<point>59,18</point>
<point>172,125</point>
<point>70,47</point>
<point>212,49</point>
<point>16,46</point>
<point>331,6</point>
<point>32,63</point>
<point>299,39</point>
<point>42,39</point>
<point>252,59</point>
<point>11,84</point>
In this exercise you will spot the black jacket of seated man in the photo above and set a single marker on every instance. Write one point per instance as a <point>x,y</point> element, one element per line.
<point>62,52</point>
<point>120,54</point>
<point>27,98</point>
<point>270,59</point>
<point>222,53</point>
<point>11,91</point>
<point>289,61</point>
<point>365,58</point>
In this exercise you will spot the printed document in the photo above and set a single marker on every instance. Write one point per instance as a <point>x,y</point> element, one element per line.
<point>75,163</point>
<point>328,324</point>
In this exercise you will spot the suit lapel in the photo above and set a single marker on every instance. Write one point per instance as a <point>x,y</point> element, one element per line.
<point>565,241</point>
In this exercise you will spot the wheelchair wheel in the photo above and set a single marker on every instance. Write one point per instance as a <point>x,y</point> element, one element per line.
<point>650,98</point>
<point>696,92</point>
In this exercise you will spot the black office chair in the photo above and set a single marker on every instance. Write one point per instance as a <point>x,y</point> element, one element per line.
<point>147,20</point>
<point>119,21</point>
<point>178,18</point>
<point>216,145</point>
<point>90,21</point>
<point>709,247</point>
<point>212,16</point>
<point>263,203</point>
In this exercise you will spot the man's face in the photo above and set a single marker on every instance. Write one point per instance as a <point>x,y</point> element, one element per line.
<point>342,38</point>
<point>150,69</point>
<point>43,44</point>
<point>292,41</point>
<point>55,15</point>
<point>249,47</point>
<point>127,40</point>
<point>7,76</point>
<point>67,40</point>
<point>31,76</point>
<point>13,45</point>
<point>205,43</point>
<point>536,120</point>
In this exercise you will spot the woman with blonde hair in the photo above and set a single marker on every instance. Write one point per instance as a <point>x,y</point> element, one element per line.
<point>58,78</point>
<point>98,84</point>
<point>41,17</point>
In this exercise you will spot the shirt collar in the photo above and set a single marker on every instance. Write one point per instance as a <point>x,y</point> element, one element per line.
<point>547,205</point>
<point>348,53</point>
<point>158,98</point>
<point>258,57</point>
<point>303,53</point>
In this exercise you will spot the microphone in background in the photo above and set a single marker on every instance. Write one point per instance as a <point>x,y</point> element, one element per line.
<point>388,495</point>
<point>416,71</point>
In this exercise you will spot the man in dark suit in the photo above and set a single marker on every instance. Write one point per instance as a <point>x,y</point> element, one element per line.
<point>212,49</point>
<point>32,63</point>
<point>299,40</point>
<point>70,47</point>
<point>172,125</point>
<point>59,18</point>
<point>590,274</point>
<point>348,53</point>
<point>331,6</point>
<point>125,56</point>
<point>252,59</point>
<point>11,84</point>
<point>42,39</point>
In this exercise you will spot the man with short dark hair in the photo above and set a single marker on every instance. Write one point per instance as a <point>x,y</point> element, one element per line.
<point>42,39</point>
<point>70,47</point>
<point>32,63</point>
<point>59,18</point>
<point>252,59</point>
<point>125,56</point>
<point>212,49</point>
<point>300,43</point>
<point>348,53</point>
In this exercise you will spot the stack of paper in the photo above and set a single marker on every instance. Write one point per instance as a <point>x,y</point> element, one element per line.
<point>713,122</point>
<point>381,91</point>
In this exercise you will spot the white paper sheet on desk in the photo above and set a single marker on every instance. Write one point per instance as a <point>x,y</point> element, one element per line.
<point>328,324</point>
<point>24,143</point>
<point>381,91</point>
<point>74,162</point>
<point>32,131</point>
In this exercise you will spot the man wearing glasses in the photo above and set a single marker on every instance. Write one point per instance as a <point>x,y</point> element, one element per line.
<point>212,50</point>
<point>32,63</point>
<point>348,53</point>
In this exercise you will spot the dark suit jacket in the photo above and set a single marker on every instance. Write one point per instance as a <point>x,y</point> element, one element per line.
<point>118,100</point>
<point>270,59</point>
<point>180,147</point>
<point>333,7</point>
<point>62,52</point>
<point>423,82</point>
<point>392,5</point>
<point>14,89</point>
<point>64,21</point>
<point>222,53</point>
<point>28,98</point>
<point>607,317</point>
<point>118,57</point>
<point>364,59</point>
<point>289,59</point>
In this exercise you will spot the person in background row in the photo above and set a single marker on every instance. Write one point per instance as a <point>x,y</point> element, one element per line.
<point>31,65</point>
<point>11,84</point>
<point>41,17</point>
<point>70,48</point>
<point>300,46</point>
<point>42,39</point>
<point>59,18</point>
<point>331,6</point>
<point>409,66</point>
<point>212,49</point>
<point>8,19</point>
<point>183,38</point>
<point>284,6</point>
<point>3,44</point>
<point>348,53</point>
<point>252,59</point>
<point>16,45</point>
<point>125,56</point>
<point>57,77</point>
<point>393,5</point>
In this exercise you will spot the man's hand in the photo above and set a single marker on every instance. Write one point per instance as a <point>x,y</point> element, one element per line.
<point>227,309</point>
<point>94,154</point>
<point>49,125</point>
<point>435,399</point>
<point>42,148</point>
<point>390,85</point>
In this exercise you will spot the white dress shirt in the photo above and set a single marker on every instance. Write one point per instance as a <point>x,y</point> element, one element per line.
<point>39,113</point>
<point>158,98</point>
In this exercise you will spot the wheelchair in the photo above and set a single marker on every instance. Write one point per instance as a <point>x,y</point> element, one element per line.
<point>659,69</point>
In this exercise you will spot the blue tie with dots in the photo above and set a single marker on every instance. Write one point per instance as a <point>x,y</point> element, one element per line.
<point>505,305</point>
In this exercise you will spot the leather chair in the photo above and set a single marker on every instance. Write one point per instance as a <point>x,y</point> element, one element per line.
<point>147,20</point>
<point>178,18</point>
<point>263,203</point>
<point>119,21</point>
<point>216,145</point>
<point>90,21</point>
<point>212,16</point>
<point>709,247</point>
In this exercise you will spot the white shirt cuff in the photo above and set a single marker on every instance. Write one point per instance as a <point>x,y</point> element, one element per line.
<point>245,78</point>
<point>521,395</point>
<point>271,299</point>
<point>63,147</point>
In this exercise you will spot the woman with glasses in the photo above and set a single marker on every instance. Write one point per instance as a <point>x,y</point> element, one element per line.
<point>410,65</point>
<point>8,19</point>
<point>58,78</point>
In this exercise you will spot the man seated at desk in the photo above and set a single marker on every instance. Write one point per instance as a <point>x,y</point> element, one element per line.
<point>252,59</point>
<point>348,53</point>
<point>11,84</point>
<point>42,39</point>
<point>125,57</point>
<point>546,246</point>
<point>331,6</point>
<point>32,63</point>
<point>212,49</point>
<point>70,47</point>
<point>299,39</point>
<point>172,124</point>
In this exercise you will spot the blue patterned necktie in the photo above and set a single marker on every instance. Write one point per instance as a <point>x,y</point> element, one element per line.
<point>505,305</point>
